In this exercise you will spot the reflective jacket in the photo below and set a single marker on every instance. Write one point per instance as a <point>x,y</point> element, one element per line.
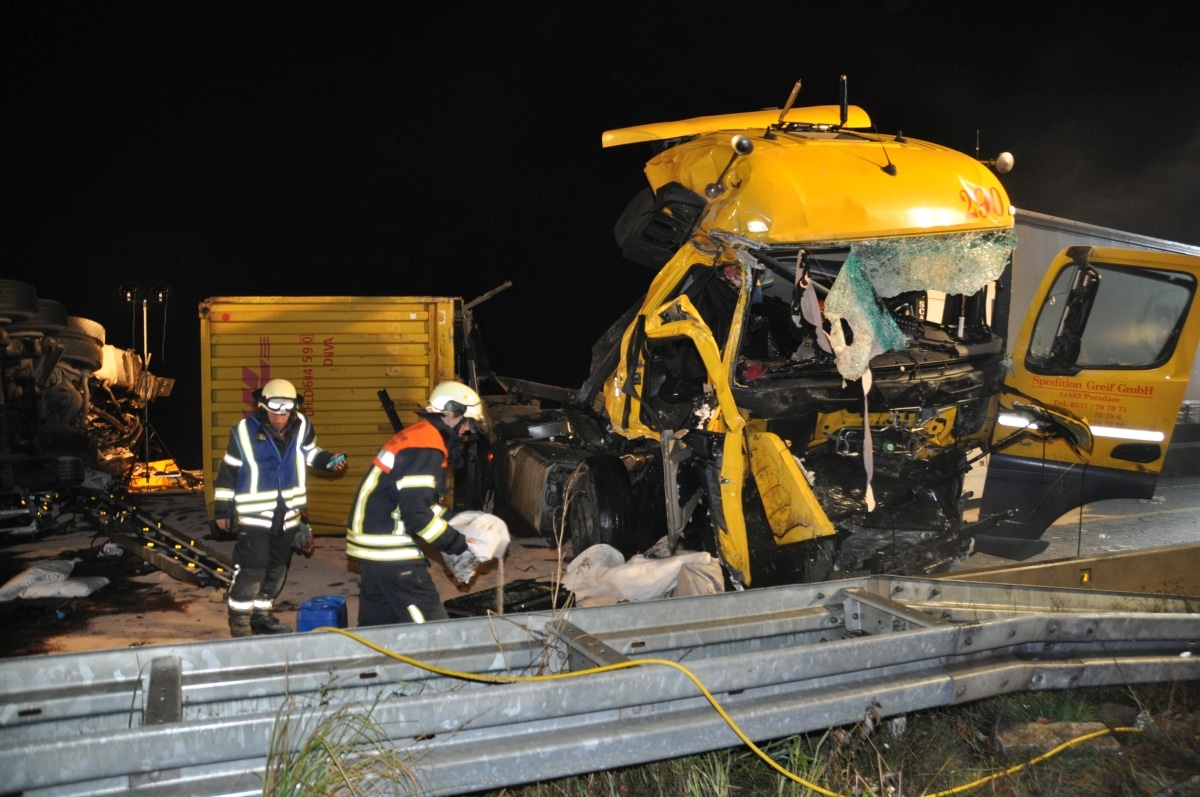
<point>263,470</point>
<point>399,498</point>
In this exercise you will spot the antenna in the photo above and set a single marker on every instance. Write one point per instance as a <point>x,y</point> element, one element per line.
<point>845,103</point>
<point>890,168</point>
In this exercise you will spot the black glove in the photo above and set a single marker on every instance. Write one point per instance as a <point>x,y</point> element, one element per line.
<point>230,532</point>
<point>462,565</point>
<point>303,541</point>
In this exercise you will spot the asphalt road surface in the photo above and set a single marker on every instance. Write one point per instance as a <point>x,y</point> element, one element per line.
<point>1171,517</point>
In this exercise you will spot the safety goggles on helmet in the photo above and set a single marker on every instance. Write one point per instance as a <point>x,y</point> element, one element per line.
<point>457,407</point>
<point>280,406</point>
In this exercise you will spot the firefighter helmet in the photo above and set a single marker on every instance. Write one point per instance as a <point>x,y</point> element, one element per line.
<point>457,398</point>
<point>279,397</point>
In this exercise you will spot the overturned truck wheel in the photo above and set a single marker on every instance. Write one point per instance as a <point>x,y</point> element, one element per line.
<point>599,506</point>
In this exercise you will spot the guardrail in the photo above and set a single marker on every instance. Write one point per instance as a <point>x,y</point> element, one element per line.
<point>479,703</point>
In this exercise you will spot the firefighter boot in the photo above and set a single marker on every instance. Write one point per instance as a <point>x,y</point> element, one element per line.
<point>239,624</point>
<point>263,622</point>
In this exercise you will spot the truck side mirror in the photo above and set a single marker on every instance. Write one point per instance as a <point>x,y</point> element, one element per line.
<point>1064,351</point>
<point>741,146</point>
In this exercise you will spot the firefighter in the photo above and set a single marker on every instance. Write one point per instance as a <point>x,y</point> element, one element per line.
<point>398,502</point>
<point>261,487</point>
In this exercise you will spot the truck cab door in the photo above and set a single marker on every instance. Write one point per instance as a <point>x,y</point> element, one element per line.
<point>1109,340</point>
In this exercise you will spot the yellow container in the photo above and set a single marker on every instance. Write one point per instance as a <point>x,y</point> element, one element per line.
<point>339,352</point>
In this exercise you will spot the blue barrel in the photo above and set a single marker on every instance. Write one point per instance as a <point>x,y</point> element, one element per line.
<point>327,610</point>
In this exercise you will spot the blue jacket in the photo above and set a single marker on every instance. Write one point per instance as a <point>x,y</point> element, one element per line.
<point>264,470</point>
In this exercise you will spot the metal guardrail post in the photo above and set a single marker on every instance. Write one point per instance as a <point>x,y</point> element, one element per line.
<point>586,651</point>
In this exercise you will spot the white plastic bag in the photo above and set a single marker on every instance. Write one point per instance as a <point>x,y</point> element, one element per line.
<point>487,535</point>
<point>70,588</point>
<point>43,572</point>
<point>601,575</point>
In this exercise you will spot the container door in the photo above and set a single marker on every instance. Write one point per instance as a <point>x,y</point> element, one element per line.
<point>1099,371</point>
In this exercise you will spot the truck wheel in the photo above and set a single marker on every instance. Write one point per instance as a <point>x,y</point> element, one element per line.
<point>51,317</point>
<point>598,512</point>
<point>18,300</point>
<point>82,352</point>
<point>87,328</point>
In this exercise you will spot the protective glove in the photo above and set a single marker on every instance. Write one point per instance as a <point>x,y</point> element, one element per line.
<point>303,541</point>
<point>227,529</point>
<point>461,565</point>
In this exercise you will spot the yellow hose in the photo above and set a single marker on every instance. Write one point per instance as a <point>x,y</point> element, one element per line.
<point>625,665</point>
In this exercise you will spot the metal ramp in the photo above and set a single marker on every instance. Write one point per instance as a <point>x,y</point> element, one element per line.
<point>176,552</point>
<point>546,695</point>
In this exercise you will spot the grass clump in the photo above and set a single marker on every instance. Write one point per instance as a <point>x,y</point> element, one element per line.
<point>345,754</point>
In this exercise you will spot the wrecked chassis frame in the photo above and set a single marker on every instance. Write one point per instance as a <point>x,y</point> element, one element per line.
<point>199,718</point>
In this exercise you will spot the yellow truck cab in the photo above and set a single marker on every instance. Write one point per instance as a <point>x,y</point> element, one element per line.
<point>814,368</point>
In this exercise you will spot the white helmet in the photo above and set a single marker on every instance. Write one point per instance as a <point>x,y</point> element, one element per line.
<point>458,398</point>
<point>279,397</point>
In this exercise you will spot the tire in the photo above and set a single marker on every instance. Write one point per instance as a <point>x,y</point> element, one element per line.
<point>599,509</point>
<point>18,300</point>
<point>80,351</point>
<point>51,317</point>
<point>85,327</point>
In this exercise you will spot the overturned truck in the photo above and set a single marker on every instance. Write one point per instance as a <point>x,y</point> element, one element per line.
<point>70,405</point>
<point>815,367</point>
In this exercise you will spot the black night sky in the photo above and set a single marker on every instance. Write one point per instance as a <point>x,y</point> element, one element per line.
<point>388,148</point>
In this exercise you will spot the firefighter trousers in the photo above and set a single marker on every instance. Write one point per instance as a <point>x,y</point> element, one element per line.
<point>397,592</point>
<point>261,558</point>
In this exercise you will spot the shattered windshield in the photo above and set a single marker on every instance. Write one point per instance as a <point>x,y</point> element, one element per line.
<point>854,292</point>
<point>960,263</point>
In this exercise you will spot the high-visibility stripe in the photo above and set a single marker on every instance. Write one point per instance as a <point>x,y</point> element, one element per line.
<point>261,501</point>
<point>302,462</point>
<point>1147,435</point>
<point>247,447</point>
<point>310,452</point>
<point>434,530</point>
<point>1150,436</point>
<point>379,540</point>
<point>360,502</point>
<point>290,521</point>
<point>415,614</point>
<point>406,553</point>
<point>417,480</point>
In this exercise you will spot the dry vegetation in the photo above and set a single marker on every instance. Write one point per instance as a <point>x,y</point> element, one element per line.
<point>946,751</point>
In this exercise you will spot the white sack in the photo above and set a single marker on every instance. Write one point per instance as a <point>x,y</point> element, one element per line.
<point>700,578</point>
<point>487,535</point>
<point>70,588</point>
<point>54,570</point>
<point>600,575</point>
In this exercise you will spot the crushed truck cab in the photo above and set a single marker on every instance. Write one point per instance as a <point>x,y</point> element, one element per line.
<point>813,369</point>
